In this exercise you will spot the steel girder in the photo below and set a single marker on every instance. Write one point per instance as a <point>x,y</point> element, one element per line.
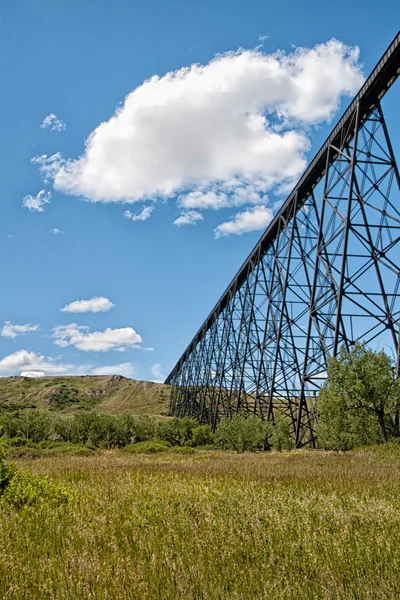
<point>325,274</point>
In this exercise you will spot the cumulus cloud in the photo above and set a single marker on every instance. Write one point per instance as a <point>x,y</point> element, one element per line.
<point>142,216</point>
<point>94,305</point>
<point>12,331</point>
<point>53,123</point>
<point>189,217</point>
<point>23,360</point>
<point>253,219</point>
<point>33,374</point>
<point>235,119</point>
<point>56,231</point>
<point>36,203</point>
<point>125,369</point>
<point>97,341</point>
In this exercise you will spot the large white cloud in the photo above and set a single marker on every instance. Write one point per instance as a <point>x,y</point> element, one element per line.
<point>12,331</point>
<point>235,118</point>
<point>97,341</point>
<point>94,305</point>
<point>24,360</point>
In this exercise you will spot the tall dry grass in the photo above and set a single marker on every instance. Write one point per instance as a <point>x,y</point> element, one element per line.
<point>209,526</point>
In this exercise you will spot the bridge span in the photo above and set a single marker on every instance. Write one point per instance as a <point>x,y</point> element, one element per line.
<point>325,273</point>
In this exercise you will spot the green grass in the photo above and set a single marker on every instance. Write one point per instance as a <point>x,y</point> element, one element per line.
<point>209,526</point>
<point>110,394</point>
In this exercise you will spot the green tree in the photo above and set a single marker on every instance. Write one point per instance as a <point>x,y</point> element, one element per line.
<point>177,432</point>
<point>282,436</point>
<point>35,425</point>
<point>202,436</point>
<point>242,433</point>
<point>358,403</point>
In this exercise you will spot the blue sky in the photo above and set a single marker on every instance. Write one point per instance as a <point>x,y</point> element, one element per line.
<point>189,148</point>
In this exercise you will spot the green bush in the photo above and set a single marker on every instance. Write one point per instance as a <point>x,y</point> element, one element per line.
<point>182,450</point>
<point>178,432</point>
<point>281,430</point>
<point>25,452</point>
<point>18,441</point>
<point>6,471</point>
<point>24,489</point>
<point>64,395</point>
<point>149,447</point>
<point>59,448</point>
<point>202,436</point>
<point>242,433</point>
<point>21,489</point>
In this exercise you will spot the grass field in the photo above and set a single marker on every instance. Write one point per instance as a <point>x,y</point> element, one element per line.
<point>209,526</point>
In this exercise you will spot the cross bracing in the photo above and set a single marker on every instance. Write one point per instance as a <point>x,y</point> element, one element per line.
<point>325,273</point>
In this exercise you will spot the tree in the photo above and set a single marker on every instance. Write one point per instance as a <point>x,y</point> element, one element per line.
<point>241,433</point>
<point>202,436</point>
<point>177,432</point>
<point>35,425</point>
<point>359,402</point>
<point>282,436</point>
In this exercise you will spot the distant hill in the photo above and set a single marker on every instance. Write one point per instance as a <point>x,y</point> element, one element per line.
<point>111,394</point>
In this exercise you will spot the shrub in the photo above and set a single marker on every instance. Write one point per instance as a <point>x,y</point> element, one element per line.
<point>19,441</point>
<point>8,426</point>
<point>177,431</point>
<point>282,437</point>
<point>149,447</point>
<point>182,450</point>
<point>60,448</point>
<point>23,489</point>
<point>64,395</point>
<point>242,433</point>
<point>202,436</point>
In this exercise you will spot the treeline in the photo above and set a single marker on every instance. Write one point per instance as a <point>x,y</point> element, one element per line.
<point>95,430</point>
<point>359,405</point>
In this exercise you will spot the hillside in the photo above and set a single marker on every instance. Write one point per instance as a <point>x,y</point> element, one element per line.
<point>111,394</point>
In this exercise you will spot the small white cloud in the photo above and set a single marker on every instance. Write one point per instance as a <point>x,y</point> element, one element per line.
<point>142,216</point>
<point>158,373</point>
<point>253,219</point>
<point>56,231</point>
<point>33,374</point>
<point>125,369</point>
<point>230,193</point>
<point>12,331</point>
<point>262,37</point>
<point>36,203</point>
<point>189,217</point>
<point>23,360</point>
<point>94,305</point>
<point>53,123</point>
<point>97,341</point>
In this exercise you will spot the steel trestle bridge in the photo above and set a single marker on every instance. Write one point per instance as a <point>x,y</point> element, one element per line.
<point>325,273</point>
